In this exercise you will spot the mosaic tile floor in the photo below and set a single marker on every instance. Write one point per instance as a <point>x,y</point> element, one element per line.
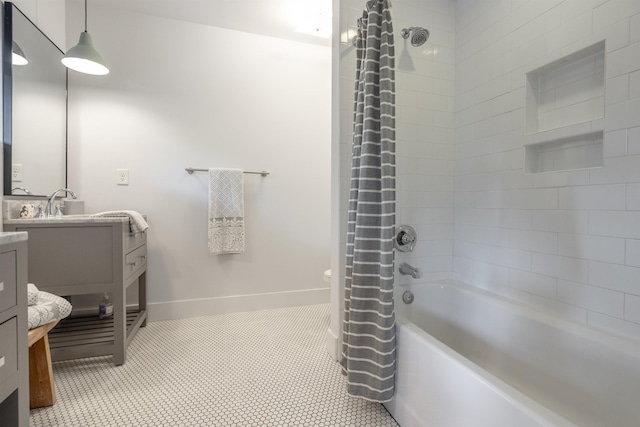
<point>263,368</point>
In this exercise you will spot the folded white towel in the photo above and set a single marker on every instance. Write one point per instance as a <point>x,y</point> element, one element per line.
<point>137,224</point>
<point>226,211</point>
<point>32,294</point>
<point>47,309</point>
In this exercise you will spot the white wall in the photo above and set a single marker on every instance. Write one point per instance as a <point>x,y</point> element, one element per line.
<point>182,94</point>
<point>563,241</point>
<point>48,15</point>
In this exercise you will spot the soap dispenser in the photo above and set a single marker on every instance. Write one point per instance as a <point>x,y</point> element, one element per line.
<point>105,309</point>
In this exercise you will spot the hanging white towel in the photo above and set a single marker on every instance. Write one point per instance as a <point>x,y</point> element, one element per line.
<point>226,211</point>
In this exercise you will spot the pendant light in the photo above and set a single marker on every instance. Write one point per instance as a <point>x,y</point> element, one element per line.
<point>17,55</point>
<point>83,57</point>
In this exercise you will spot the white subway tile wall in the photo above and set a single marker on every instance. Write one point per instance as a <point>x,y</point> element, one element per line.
<point>592,298</point>
<point>615,143</point>
<point>633,196</point>
<point>632,308</point>
<point>633,253</point>
<point>567,242</point>
<point>633,143</point>
<point>425,134</point>
<point>581,229</point>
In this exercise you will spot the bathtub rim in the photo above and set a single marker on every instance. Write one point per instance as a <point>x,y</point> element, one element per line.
<point>521,401</point>
<point>622,343</point>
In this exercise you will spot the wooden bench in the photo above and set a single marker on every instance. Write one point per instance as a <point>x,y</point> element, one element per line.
<point>42,391</point>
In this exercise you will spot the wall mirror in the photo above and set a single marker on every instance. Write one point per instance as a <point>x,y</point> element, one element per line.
<point>35,109</point>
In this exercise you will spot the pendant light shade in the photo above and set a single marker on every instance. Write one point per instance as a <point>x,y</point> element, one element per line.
<point>83,57</point>
<point>17,55</point>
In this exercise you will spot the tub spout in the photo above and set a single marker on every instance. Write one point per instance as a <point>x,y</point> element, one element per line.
<point>409,270</point>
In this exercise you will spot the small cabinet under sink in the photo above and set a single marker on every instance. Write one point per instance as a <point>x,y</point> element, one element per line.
<point>89,256</point>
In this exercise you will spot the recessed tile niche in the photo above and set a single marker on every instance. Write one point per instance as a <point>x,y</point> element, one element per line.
<point>574,152</point>
<point>567,91</point>
<point>562,93</point>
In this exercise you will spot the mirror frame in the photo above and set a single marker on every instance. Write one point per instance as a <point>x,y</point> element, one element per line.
<point>7,102</point>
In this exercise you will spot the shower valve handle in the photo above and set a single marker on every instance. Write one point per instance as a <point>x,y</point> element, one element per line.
<point>406,238</point>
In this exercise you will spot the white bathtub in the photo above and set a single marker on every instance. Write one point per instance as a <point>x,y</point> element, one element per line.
<point>469,359</point>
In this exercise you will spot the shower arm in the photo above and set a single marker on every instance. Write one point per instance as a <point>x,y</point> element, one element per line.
<point>406,32</point>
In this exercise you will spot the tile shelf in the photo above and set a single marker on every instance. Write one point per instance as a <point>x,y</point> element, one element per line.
<point>564,154</point>
<point>559,95</point>
<point>566,91</point>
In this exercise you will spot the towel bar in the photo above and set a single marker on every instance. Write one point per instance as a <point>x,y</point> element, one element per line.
<point>192,170</point>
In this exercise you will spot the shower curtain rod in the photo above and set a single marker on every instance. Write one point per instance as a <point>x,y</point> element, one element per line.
<point>192,170</point>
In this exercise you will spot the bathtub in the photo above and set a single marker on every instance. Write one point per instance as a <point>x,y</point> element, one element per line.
<point>470,359</point>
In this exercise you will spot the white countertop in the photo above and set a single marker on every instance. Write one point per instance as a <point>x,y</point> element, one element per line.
<point>66,219</point>
<point>13,237</point>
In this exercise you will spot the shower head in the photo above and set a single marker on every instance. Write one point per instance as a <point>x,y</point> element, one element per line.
<point>419,35</point>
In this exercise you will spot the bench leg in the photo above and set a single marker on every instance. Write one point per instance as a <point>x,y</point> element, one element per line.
<point>42,392</point>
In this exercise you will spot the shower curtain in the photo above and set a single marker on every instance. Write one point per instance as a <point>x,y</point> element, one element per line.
<point>369,342</point>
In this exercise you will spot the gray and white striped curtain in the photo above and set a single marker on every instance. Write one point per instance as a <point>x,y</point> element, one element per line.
<point>369,340</point>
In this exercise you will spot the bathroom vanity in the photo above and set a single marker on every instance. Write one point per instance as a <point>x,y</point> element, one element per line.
<point>14,359</point>
<point>82,255</point>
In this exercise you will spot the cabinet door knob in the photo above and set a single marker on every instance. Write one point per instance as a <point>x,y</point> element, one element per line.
<point>142,258</point>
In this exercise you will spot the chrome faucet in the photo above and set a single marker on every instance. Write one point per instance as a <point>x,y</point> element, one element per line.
<point>27,192</point>
<point>409,270</point>
<point>48,210</point>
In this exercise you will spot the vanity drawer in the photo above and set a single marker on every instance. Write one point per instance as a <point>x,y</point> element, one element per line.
<point>132,240</point>
<point>135,260</point>
<point>7,280</point>
<point>8,349</point>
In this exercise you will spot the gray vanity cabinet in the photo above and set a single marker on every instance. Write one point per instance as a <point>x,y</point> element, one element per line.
<point>82,257</point>
<point>14,351</point>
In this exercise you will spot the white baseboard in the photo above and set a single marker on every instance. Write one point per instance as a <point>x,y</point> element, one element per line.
<point>333,345</point>
<point>208,306</point>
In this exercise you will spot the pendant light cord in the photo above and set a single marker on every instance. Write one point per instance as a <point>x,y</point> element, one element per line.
<point>85,16</point>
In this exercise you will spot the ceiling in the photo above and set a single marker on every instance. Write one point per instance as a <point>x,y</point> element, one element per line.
<point>274,18</point>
